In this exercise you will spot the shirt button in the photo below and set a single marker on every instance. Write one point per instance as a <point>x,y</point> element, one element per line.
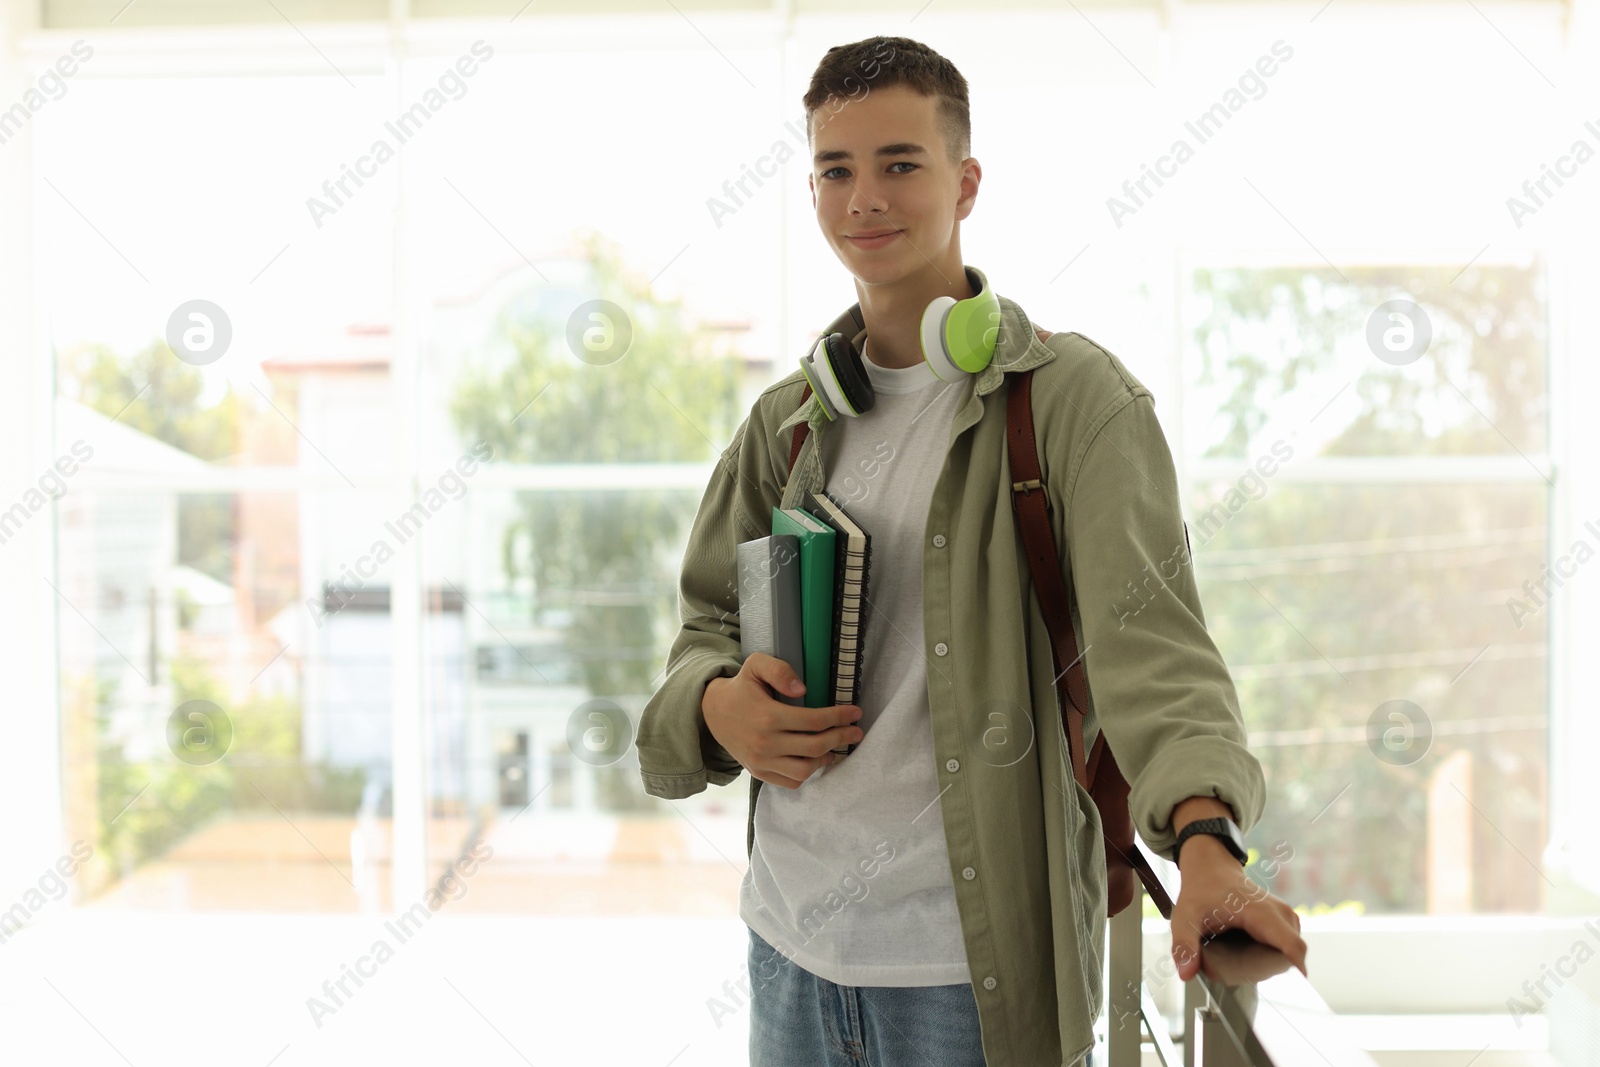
<point>952,765</point>
<point>968,873</point>
<point>938,540</point>
<point>989,983</point>
<point>941,648</point>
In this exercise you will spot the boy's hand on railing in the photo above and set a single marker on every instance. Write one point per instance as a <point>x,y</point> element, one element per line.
<point>1218,895</point>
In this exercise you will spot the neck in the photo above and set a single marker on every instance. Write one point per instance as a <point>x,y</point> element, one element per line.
<point>892,312</point>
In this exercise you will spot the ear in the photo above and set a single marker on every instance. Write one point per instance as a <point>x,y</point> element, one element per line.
<point>811,183</point>
<point>967,188</point>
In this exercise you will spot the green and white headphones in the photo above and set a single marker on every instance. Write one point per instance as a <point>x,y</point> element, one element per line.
<point>958,339</point>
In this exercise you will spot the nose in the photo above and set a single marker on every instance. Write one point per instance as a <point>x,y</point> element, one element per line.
<point>865,198</point>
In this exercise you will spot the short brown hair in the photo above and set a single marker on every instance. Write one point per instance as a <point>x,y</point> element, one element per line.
<point>851,71</point>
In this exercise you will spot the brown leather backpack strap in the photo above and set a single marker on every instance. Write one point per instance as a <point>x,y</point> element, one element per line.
<point>1110,791</point>
<point>800,431</point>
<point>1098,773</point>
<point>1032,505</point>
<point>1152,883</point>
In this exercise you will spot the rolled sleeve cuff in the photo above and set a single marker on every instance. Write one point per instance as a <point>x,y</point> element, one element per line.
<point>1196,767</point>
<point>678,757</point>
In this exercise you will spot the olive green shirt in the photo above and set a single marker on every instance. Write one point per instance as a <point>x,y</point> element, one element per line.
<point>1026,855</point>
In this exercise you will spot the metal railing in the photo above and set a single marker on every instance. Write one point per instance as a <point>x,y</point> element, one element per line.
<point>1253,1009</point>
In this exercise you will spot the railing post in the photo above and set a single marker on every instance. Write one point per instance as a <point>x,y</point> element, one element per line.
<point>1194,1002</point>
<point>1217,1047</point>
<point>1124,1007</point>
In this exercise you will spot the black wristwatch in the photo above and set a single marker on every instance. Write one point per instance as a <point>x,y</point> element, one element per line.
<point>1218,827</point>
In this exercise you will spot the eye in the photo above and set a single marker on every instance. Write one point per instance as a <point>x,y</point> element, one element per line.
<point>901,163</point>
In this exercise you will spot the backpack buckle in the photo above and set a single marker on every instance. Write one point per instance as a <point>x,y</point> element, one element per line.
<point>1023,488</point>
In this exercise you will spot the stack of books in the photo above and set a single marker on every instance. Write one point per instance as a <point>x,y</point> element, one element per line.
<point>803,599</point>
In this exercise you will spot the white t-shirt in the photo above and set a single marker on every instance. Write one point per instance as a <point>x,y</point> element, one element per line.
<point>850,875</point>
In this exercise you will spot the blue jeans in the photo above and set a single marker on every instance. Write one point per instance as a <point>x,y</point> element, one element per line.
<point>798,1019</point>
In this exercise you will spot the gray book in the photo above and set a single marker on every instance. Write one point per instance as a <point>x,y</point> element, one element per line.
<point>769,603</point>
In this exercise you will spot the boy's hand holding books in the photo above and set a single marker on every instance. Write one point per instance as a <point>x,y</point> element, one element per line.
<point>779,743</point>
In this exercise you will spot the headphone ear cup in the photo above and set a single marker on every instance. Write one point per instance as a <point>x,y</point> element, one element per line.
<point>850,374</point>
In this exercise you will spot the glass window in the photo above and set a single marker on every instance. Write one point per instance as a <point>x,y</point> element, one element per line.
<point>1399,708</point>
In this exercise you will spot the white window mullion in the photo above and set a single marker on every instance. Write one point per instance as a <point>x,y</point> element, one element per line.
<point>409,871</point>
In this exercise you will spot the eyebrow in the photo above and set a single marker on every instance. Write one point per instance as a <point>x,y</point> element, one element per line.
<point>902,148</point>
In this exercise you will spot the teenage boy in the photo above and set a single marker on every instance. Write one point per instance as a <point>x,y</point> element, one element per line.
<point>939,895</point>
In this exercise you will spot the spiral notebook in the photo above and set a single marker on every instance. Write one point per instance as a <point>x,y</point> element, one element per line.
<point>852,568</point>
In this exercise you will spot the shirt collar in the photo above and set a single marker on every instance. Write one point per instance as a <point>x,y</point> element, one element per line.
<point>1017,349</point>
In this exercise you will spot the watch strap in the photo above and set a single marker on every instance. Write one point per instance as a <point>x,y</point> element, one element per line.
<point>1216,826</point>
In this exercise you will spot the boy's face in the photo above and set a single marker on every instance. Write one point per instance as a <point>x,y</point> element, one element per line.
<point>914,189</point>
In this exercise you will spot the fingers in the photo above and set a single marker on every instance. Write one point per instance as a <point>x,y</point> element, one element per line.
<point>1185,947</point>
<point>773,778</point>
<point>1297,945</point>
<point>1289,941</point>
<point>775,672</point>
<point>1269,921</point>
<point>1279,927</point>
<point>1187,958</point>
<point>794,771</point>
<point>813,745</point>
<point>815,720</point>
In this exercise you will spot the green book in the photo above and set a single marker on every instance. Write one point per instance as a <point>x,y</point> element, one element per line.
<point>817,557</point>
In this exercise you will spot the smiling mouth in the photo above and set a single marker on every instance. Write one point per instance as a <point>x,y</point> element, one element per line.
<point>875,237</point>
